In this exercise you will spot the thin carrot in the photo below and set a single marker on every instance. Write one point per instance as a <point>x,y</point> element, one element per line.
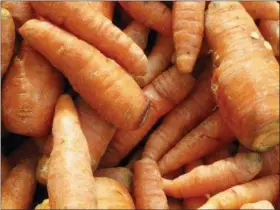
<point>42,170</point>
<point>235,197</point>
<point>148,190</point>
<point>219,154</point>
<point>105,7</point>
<point>153,14</point>
<point>167,90</point>
<point>96,29</point>
<point>246,79</point>
<point>103,84</point>
<point>197,106</point>
<point>195,202</point>
<point>188,30</point>
<point>264,204</point>
<point>70,181</point>
<point>270,162</point>
<point>202,140</point>
<point>5,168</point>
<point>266,10</point>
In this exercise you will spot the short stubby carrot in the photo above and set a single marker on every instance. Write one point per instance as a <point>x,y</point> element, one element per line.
<point>91,26</point>
<point>188,31</point>
<point>153,14</point>
<point>266,10</point>
<point>167,90</point>
<point>258,205</point>
<point>271,162</point>
<point>5,168</point>
<point>101,82</point>
<point>245,82</point>
<point>105,7</point>
<point>148,189</point>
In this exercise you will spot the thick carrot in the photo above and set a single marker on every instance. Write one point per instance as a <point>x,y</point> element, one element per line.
<point>70,181</point>
<point>105,7</point>
<point>270,162</point>
<point>153,14</point>
<point>42,170</point>
<point>246,79</point>
<point>29,94</point>
<point>188,30</point>
<point>202,140</point>
<point>195,202</point>
<point>167,90</point>
<point>96,29</point>
<point>18,189</point>
<point>264,204</point>
<point>138,33</point>
<point>266,10</point>
<point>148,189</point>
<point>197,106</point>
<point>158,60</point>
<point>7,39</point>
<point>99,80</point>
<point>218,154</point>
<point>224,173</point>
<point>266,188</point>
<point>175,204</point>
<point>5,168</point>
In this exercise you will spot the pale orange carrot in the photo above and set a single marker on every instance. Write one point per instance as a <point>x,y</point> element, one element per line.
<point>266,10</point>
<point>167,90</point>
<point>5,168</point>
<point>219,154</point>
<point>105,7</point>
<point>42,170</point>
<point>96,29</point>
<point>264,204</point>
<point>103,84</point>
<point>175,204</point>
<point>195,202</point>
<point>270,162</point>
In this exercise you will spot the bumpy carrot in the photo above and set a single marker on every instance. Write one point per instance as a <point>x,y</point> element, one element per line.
<point>267,10</point>
<point>100,81</point>
<point>258,205</point>
<point>5,168</point>
<point>167,90</point>
<point>105,7</point>
<point>42,170</point>
<point>82,21</point>
<point>246,87</point>
<point>188,30</point>
<point>270,162</point>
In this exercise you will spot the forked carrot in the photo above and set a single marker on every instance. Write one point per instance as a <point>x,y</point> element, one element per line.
<point>258,205</point>
<point>105,7</point>
<point>5,168</point>
<point>266,10</point>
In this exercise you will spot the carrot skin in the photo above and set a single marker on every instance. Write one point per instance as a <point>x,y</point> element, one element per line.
<point>266,10</point>
<point>270,162</point>
<point>218,154</point>
<point>105,7</point>
<point>42,170</point>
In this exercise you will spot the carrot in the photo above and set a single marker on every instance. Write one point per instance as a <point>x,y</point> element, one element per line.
<point>235,197</point>
<point>267,10</point>
<point>102,84</point>
<point>137,155</point>
<point>175,204</point>
<point>70,181</point>
<point>7,39</point>
<point>138,33</point>
<point>197,106</point>
<point>48,146</point>
<point>195,202</point>
<point>188,28</point>
<point>246,87</point>
<point>270,31</point>
<point>167,90</point>
<point>30,91</point>
<point>105,7</point>
<point>174,174</point>
<point>202,140</point>
<point>148,191</point>
<point>96,29</point>
<point>258,205</point>
<point>194,164</point>
<point>218,154</point>
<point>153,14</point>
<point>19,188</point>
<point>224,173</point>
<point>270,162</point>
<point>5,168</point>
<point>42,170</point>
<point>158,60</point>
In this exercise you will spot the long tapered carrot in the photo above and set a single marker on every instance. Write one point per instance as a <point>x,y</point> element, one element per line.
<point>188,30</point>
<point>101,82</point>
<point>266,10</point>
<point>18,189</point>
<point>5,168</point>
<point>258,205</point>
<point>266,188</point>
<point>197,106</point>
<point>271,162</point>
<point>167,90</point>
<point>105,7</point>
<point>202,140</point>
<point>70,180</point>
<point>148,190</point>
<point>93,27</point>
<point>153,14</point>
<point>225,173</point>
<point>246,79</point>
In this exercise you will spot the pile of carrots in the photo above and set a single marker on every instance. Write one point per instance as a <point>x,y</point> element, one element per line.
<point>140,105</point>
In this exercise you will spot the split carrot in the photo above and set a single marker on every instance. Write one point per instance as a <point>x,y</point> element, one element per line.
<point>5,168</point>
<point>99,83</point>
<point>258,205</point>
<point>105,7</point>
<point>195,202</point>
<point>42,170</point>
<point>270,162</point>
<point>266,10</point>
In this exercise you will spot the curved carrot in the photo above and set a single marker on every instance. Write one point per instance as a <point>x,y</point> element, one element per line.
<point>195,202</point>
<point>153,14</point>
<point>100,81</point>
<point>188,30</point>
<point>167,90</point>
<point>270,162</point>
<point>267,10</point>
<point>5,168</point>
<point>148,191</point>
<point>96,29</point>
<point>105,7</point>
<point>69,161</point>
<point>258,205</point>
<point>246,87</point>
<point>42,170</point>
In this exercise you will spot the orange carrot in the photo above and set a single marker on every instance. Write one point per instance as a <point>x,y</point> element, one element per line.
<point>137,155</point>
<point>48,146</point>
<point>195,202</point>
<point>103,84</point>
<point>235,197</point>
<point>264,204</point>
<point>19,188</point>
<point>42,170</point>
<point>246,79</point>
<point>70,181</point>
<point>267,10</point>
<point>174,174</point>
<point>96,29</point>
<point>194,164</point>
<point>202,140</point>
<point>5,168</point>
<point>188,28</point>
<point>175,204</point>
<point>219,154</point>
<point>167,90</point>
<point>29,94</point>
<point>270,162</point>
<point>224,173</point>
<point>153,14</point>
<point>105,7</point>
<point>148,191</point>
<point>182,119</point>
